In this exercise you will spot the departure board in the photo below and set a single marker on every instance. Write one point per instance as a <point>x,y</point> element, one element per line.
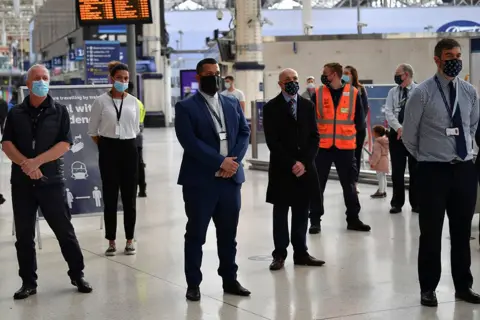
<point>102,12</point>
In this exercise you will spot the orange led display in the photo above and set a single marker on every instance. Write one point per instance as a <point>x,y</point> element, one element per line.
<point>102,12</point>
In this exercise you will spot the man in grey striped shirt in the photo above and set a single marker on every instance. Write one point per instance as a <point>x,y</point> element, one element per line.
<point>441,118</point>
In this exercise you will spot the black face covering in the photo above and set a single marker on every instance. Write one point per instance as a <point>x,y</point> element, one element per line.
<point>210,84</point>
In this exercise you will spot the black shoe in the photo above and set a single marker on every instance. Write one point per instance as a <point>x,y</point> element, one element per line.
<point>277,264</point>
<point>469,296</point>
<point>428,299</point>
<point>193,294</point>
<point>416,210</point>
<point>358,225</point>
<point>308,260</point>
<point>378,195</point>
<point>82,285</point>
<point>395,210</point>
<point>24,292</point>
<point>236,289</point>
<point>2,199</point>
<point>315,229</point>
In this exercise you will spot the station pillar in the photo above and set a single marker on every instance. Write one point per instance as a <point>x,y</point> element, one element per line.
<point>248,64</point>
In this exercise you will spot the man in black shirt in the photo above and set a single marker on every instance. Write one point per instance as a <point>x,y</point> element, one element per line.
<point>340,115</point>
<point>37,135</point>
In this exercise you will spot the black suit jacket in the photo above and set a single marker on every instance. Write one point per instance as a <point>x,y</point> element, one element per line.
<point>289,141</point>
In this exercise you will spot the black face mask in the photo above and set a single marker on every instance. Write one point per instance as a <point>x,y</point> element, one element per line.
<point>210,84</point>
<point>325,80</point>
<point>398,79</point>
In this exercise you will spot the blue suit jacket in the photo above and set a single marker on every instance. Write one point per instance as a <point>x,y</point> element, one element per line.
<point>199,138</point>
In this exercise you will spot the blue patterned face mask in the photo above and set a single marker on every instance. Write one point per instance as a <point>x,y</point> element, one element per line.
<point>452,68</point>
<point>40,88</point>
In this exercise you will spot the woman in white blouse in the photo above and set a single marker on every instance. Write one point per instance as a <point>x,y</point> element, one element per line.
<point>114,125</point>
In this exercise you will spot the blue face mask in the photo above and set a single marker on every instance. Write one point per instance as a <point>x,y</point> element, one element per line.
<point>40,88</point>
<point>120,86</point>
<point>346,78</point>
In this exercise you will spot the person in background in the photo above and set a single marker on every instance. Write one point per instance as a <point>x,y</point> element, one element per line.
<point>142,184</point>
<point>379,160</point>
<point>291,134</point>
<point>214,134</point>
<point>13,100</point>
<point>3,113</point>
<point>234,92</point>
<point>339,115</point>
<point>114,126</point>
<point>187,92</point>
<point>350,75</point>
<point>37,135</point>
<point>395,113</point>
<point>310,90</point>
<point>441,119</point>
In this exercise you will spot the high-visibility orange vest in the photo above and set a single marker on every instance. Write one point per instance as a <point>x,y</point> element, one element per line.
<point>336,128</point>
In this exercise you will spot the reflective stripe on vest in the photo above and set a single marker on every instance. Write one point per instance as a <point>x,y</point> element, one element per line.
<point>334,127</point>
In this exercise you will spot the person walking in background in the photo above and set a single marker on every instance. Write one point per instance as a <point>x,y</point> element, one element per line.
<point>379,160</point>
<point>142,184</point>
<point>291,134</point>
<point>3,113</point>
<point>395,113</point>
<point>234,92</point>
<point>187,92</point>
<point>441,119</point>
<point>310,90</point>
<point>350,75</point>
<point>114,126</point>
<point>214,135</point>
<point>13,100</point>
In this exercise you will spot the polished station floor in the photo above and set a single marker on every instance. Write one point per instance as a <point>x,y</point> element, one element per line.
<point>367,276</point>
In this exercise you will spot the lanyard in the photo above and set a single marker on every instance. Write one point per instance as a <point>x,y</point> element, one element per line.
<point>34,125</point>
<point>215,115</point>
<point>119,112</point>
<point>450,109</point>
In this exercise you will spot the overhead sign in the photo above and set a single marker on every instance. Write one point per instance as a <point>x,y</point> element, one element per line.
<point>83,183</point>
<point>97,56</point>
<point>460,26</point>
<point>57,62</point>
<point>103,12</point>
<point>48,64</point>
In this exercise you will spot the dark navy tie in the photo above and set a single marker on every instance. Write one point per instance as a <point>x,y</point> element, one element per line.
<point>457,123</point>
<point>403,103</point>
<point>291,103</point>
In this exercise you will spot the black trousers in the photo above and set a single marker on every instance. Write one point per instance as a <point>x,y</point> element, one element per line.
<point>299,228</point>
<point>221,202</point>
<point>142,184</point>
<point>52,202</point>
<point>451,188</point>
<point>399,156</point>
<point>119,170</point>
<point>347,171</point>
<point>361,135</point>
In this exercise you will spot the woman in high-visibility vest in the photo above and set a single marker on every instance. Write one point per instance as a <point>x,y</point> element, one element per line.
<point>142,185</point>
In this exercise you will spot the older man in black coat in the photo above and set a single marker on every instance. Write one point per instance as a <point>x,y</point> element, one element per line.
<point>291,134</point>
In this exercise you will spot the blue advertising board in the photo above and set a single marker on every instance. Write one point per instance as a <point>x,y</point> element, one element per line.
<point>187,79</point>
<point>460,26</point>
<point>83,182</point>
<point>97,56</point>
<point>377,96</point>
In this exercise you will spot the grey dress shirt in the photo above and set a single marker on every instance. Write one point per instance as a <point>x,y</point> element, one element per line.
<point>392,105</point>
<point>426,120</point>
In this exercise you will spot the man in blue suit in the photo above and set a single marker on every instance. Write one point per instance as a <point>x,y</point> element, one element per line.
<point>214,135</point>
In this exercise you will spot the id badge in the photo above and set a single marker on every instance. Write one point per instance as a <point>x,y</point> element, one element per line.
<point>452,132</point>
<point>223,136</point>
<point>344,110</point>
<point>117,129</point>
